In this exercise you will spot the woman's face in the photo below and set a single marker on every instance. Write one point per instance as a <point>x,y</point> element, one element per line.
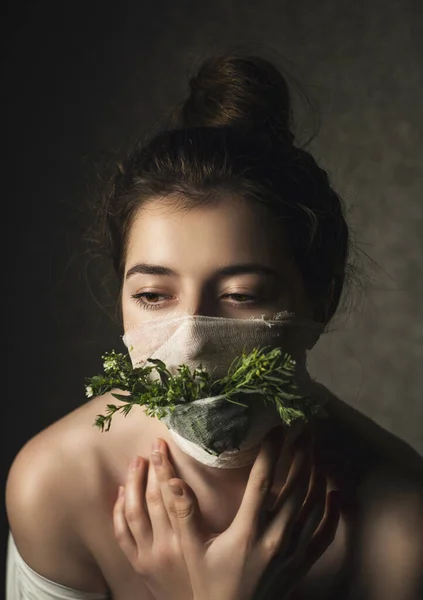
<point>201,262</point>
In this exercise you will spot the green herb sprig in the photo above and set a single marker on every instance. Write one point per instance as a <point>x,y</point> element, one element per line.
<point>270,374</point>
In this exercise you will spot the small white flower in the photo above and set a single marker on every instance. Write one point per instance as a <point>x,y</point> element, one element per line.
<point>109,364</point>
<point>89,391</point>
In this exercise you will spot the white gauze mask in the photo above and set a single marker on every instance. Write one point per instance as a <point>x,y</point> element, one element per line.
<point>214,431</point>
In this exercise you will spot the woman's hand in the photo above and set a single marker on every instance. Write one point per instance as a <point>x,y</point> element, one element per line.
<point>259,551</point>
<point>145,526</point>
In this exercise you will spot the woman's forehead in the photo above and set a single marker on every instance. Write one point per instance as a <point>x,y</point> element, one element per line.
<point>229,227</point>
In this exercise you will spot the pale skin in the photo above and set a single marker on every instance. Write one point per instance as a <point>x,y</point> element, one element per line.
<point>168,544</point>
<point>197,244</point>
<point>62,487</point>
<point>163,543</point>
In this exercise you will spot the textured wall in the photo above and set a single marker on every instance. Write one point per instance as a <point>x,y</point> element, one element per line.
<point>80,85</point>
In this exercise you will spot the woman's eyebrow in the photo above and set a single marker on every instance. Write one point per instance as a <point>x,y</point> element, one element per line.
<point>244,268</point>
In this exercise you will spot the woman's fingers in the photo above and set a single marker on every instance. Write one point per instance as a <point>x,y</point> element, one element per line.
<point>160,521</point>
<point>134,508</point>
<point>120,526</point>
<point>278,535</point>
<point>308,553</point>
<point>312,511</point>
<point>130,520</point>
<point>182,510</point>
<point>165,471</point>
<point>191,527</point>
<point>325,532</point>
<point>311,550</point>
<point>256,494</point>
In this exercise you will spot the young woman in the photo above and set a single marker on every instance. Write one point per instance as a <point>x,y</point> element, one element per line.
<point>219,215</point>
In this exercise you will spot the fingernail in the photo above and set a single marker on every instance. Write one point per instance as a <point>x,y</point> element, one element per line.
<point>135,463</point>
<point>157,445</point>
<point>175,489</point>
<point>121,491</point>
<point>156,458</point>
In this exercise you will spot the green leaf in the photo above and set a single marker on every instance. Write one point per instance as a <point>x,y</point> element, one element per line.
<point>121,397</point>
<point>98,379</point>
<point>268,373</point>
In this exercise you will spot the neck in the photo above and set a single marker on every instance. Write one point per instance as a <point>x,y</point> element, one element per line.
<point>188,466</point>
<point>218,491</point>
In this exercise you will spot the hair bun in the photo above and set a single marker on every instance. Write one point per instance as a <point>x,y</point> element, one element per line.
<point>246,92</point>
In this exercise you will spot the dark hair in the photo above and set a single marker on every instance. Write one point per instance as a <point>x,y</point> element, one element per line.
<point>232,135</point>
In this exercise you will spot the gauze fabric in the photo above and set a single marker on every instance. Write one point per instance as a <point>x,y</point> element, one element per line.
<point>215,431</point>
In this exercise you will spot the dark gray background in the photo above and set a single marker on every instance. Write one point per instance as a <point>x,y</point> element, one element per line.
<point>83,79</point>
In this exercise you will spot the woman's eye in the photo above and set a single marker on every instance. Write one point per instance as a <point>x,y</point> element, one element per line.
<point>251,299</point>
<point>145,303</point>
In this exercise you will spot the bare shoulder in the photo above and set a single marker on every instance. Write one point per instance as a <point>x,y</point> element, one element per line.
<point>47,492</point>
<point>381,481</point>
<point>364,444</point>
<point>390,539</point>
